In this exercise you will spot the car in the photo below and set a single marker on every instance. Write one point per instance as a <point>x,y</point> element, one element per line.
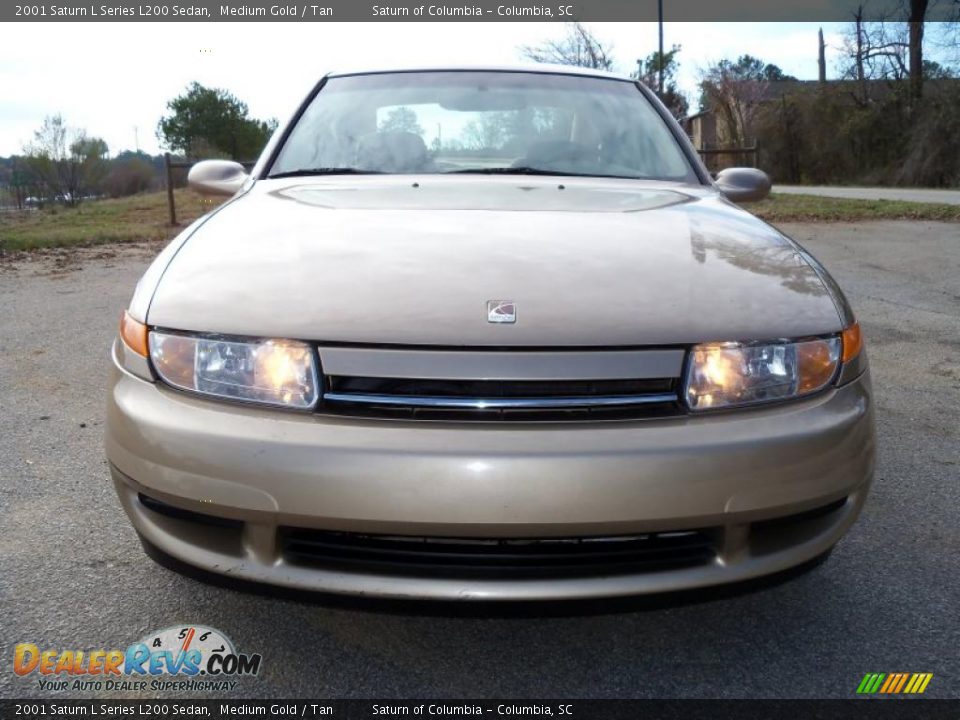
<point>487,334</point>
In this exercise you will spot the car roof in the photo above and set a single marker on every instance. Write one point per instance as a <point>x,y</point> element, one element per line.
<point>542,68</point>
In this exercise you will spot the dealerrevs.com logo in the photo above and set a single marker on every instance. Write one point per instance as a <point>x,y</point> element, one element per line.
<point>188,657</point>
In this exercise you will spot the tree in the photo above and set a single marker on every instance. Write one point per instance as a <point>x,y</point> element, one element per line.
<point>213,121</point>
<point>648,73</point>
<point>16,179</point>
<point>772,73</point>
<point>130,173</point>
<point>65,163</point>
<point>748,67</point>
<point>401,119</point>
<point>735,90</point>
<point>748,70</point>
<point>875,50</point>
<point>90,154</point>
<point>892,47</point>
<point>932,70</point>
<point>578,47</point>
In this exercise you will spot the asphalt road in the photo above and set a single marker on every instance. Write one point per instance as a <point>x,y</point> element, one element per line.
<point>923,195</point>
<point>888,599</point>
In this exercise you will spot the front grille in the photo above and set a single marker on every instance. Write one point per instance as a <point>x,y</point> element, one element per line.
<point>486,557</point>
<point>500,399</point>
<point>496,388</point>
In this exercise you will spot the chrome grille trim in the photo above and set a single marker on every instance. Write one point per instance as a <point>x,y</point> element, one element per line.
<point>501,403</point>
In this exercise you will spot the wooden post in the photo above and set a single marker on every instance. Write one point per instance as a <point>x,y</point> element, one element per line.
<point>173,210</point>
<point>16,181</point>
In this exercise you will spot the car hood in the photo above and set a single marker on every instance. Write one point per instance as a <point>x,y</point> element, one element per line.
<point>415,260</point>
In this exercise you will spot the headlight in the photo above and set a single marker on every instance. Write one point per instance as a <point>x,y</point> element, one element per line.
<point>729,374</point>
<point>273,372</point>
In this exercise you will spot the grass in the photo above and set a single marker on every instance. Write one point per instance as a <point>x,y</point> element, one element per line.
<point>144,218</point>
<point>810,208</point>
<point>137,218</point>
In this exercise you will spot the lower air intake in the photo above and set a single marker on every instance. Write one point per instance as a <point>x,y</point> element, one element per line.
<point>458,557</point>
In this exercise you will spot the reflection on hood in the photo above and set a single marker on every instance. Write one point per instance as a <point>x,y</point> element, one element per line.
<point>732,239</point>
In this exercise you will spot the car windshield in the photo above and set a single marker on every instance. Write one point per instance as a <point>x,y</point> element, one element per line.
<point>481,122</point>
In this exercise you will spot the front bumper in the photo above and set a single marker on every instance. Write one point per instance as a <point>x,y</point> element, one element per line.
<point>725,474</point>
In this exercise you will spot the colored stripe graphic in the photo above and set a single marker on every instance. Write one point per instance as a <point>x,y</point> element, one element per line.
<point>894,683</point>
<point>920,684</point>
<point>870,683</point>
<point>891,682</point>
<point>901,683</point>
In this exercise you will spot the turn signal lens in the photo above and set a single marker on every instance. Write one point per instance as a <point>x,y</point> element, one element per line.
<point>174,357</point>
<point>852,342</point>
<point>134,334</point>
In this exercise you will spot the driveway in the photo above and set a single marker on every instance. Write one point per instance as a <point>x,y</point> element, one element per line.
<point>74,576</point>
<point>923,195</point>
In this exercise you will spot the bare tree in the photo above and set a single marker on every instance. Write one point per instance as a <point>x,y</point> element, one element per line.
<point>877,50</point>
<point>578,47</point>
<point>890,48</point>
<point>735,91</point>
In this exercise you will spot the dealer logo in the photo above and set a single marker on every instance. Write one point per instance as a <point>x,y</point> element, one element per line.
<point>182,652</point>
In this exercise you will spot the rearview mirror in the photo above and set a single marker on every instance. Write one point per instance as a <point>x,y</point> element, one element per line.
<point>217,177</point>
<point>743,184</point>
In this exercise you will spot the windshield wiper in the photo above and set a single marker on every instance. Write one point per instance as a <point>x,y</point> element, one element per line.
<point>525,170</point>
<point>305,172</point>
<point>522,170</point>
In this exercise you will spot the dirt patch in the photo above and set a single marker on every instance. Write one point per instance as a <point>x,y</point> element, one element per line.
<point>63,261</point>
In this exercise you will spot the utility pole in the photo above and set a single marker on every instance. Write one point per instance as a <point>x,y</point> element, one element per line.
<point>918,14</point>
<point>660,59</point>
<point>136,138</point>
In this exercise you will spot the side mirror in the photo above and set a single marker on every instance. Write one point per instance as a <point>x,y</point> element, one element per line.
<point>743,184</point>
<point>217,177</point>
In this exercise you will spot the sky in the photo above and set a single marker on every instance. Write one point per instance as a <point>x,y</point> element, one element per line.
<point>114,79</point>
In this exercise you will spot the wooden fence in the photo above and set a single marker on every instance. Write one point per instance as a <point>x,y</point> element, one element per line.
<point>709,156</point>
